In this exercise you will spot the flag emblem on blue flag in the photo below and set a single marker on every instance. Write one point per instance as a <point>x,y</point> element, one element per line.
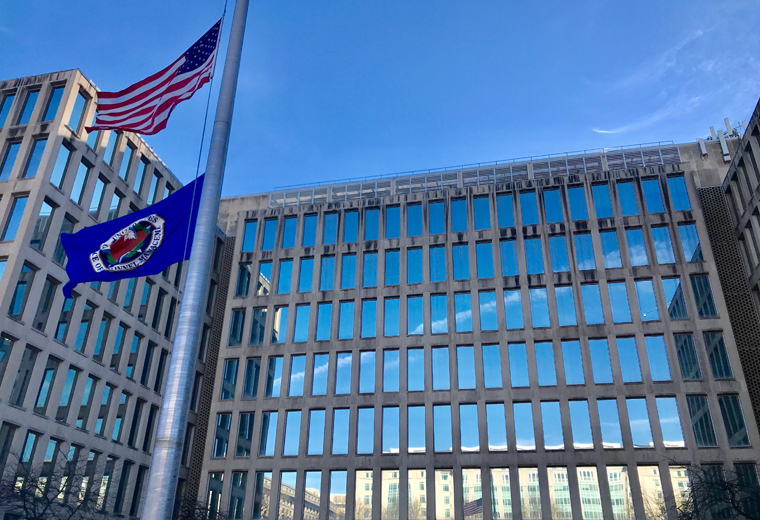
<point>139,244</point>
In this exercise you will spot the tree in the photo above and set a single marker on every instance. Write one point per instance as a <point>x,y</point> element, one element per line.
<point>717,493</point>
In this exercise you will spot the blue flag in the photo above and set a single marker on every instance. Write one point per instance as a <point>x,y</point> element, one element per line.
<point>139,244</point>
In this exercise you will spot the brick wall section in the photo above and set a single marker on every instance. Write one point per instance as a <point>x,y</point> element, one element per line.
<point>212,355</point>
<point>745,321</point>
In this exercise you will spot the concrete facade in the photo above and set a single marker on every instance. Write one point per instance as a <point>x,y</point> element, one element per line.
<point>472,344</point>
<point>79,378</point>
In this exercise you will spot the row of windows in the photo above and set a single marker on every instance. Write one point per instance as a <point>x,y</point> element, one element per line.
<point>561,258</point>
<point>512,492</point>
<point>283,437</point>
<point>110,488</point>
<point>481,212</point>
<point>643,293</point>
<point>489,366</point>
<point>25,108</point>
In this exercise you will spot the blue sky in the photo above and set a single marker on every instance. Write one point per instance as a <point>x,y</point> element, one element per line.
<point>337,89</point>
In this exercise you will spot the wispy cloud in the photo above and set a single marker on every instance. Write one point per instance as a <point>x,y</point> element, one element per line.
<point>675,108</point>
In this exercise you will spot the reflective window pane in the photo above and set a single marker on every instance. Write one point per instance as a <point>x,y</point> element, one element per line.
<point>414,316</point>
<point>647,301</point>
<point>621,309</point>
<point>565,305</point>
<point>390,371</point>
<point>491,366</point>
<point>674,299</point>
<point>367,372</point>
<point>392,317</point>
<point>602,202</point>
<point>513,309</point>
<point>547,374</point>
<point>371,224</point>
<point>270,232</point>
<point>340,431</point>
<point>733,420</point>
<point>629,360</point>
<point>534,258</point>
<point>306,274</point>
<point>588,483</point>
<point>350,226</point>
<point>496,427</point>
<point>458,215</point>
<point>436,218</point>
<point>584,252</point>
<point>484,259</point>
<point>652,196</point>
<point>658,358</point>
<point>670,422</point>
<point>327,273</point>
<point>292,433</point>
<point>463,310</point>
<point>559,494</point>
<point>701,421</point>
<point>365,431</point>
<point>468,428</point>
<point>289,232</point>
<point>440,368</point>
<point>415,369</point>
<point>392,267</point>
<point>481,208</point>
<point>414,220</point>
<point>416,429</point>
<point>690,243</point>
<point>466,367</point>
<point>505,210</point>
<point>392,222</point>
<point>348,272</point>
<point>558,250</point>
<point>539,308</point>
<point>442,428</point>
<point>274,377</point>
<point>638,417</point>
<point>637,251</point>
<point>687,357</point>
<point>552,422</point>
<point>390,438</point>
<point>286,274</point>
<point>461,256</point>
<point>301,332</point>
<point>592,304</point>
<point>576,196</point>
<point>600,361</point>
<point>437,264</point>
<point>679,197</point>
<point>280,324</point>
<point>369,319</point>
<point>319,374</point>
<point>524,437</point>
<point>508,258</point>
<point>528,208</point>
<point>580,422</point>
<point>346,321</point>
<point>343,374</point>
<point>571,356</point>
<point>518,365</point>
<point>716,351</point>
<point>324,321</point>
<point>369,275</point>
<point>663,246</point>
<point>414,265</point>
<point>487,305</point>
<point>438,314</point>
<point>610,249</point>
<point>330,231</point>
<point>609,423</point>
<point>553,206</point>
<point>530,495</point>
<point>706,308</point>
<point>627,196</point>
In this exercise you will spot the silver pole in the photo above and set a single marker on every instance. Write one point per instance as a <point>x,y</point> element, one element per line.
<point>164,468</point>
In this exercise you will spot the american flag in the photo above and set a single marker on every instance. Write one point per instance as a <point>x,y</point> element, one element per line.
<point>144,107</point>
<point>473,508</point>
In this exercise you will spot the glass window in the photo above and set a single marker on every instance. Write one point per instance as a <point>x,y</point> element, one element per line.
<point>327,273</point>
<point>390,439</point>
<point>77,113</point>
<point>565,305</point>
<point>496,427</point>
<point>319,375</point>
<point>733,420</point>
<point>571,355</point>
<point>292,433</point>
<point>365,431</point>
<point>280,324</point>
<point>416,429</point>
<point>414,220</point>
<point>340,431</point>
<point>229,378</point>
<point>415,370</point>
<point>392,316</point>
<point>638,416</point>
<point>487,305</point>
<point>687,357</point>
<point>350,226</point>
<point>268,434</point>
<point>414,316</point>
<point>547,374</point>
<point>346,320</point>
<point>651,189</point>
<point>264,281</point>
<point>438,314</point>
<point>576,196</point>
<point>459,215</point>
<point>670,422</point>
<point>309,231</point>
<point>5,108</point>
<point>35,156</point>
<point>534,259</point>
<point>610,249</point>
<point>390,371</point>
<point>301,332</point>
<point>461,261</point>
<point>539,308</point>
<point>29,103</point>
<point>674,299</point>
<point>701,421</point>
<point>371,224</point>
<point>60,167</point>
<point>392,222</point>
<point>679,197</point>
<point>348,272</point>
<point>392,268</point>
<point>482,212</point>
<point>700,284</point>
<point>600,361</point>
<point>628,205</point>
<point>609,423</point>
<point>716,351</point>
<point>518,365</point>
<point>580,423</point>
<point>288,231</point>
<point>591,503</point>
<point>236,327</point>
<point>658,358</point>
<point>513,309</point>
<point>463,311</point>
<point>369,319</point>
<point>14,220</point>
<point>42,226</point>
<point>553,206</point>
<point>316,433</point>
<point>692,251</point>
<point>367,373</point>
<point>440,368</point>
<point>274,377</point>
<point>251,383</point>
<point>637,251</point>
<point>663,246</point>
<point>647,301</point>
<point>286,274</point>
<point>436,218</point>
<point>11,152</point>
<point>530,496</point>
<point>343,374</point>
<point>491,366</point>
<point>484,257</point>
<point>306,274</point>
<point>442,428</point>
<point>330,231</point>
<point>504,210</point>
<point>602,202</point>
<point>468,428</point>
<point>558,250</point>
<point>413,265</point>
<point>80,182</point>
<point>592,304</point>
<point>584,252</point>
<point>324,321</point>
<point>629,360</point>
<point>437,263</point>
<point>466,367</point>
<point>222,437</point>
<point>524,437</point>
<point>369,273</point>
<point>621,310</point>
<point>528,208</point>
<point>508,258</point>
<point>270,232</point>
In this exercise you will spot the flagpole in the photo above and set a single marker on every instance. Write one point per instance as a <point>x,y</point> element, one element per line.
<point>164,469</point>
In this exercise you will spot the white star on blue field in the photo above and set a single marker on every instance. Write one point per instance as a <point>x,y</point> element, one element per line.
<point>331,90</point>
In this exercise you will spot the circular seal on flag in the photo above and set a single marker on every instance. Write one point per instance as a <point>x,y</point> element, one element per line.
<point>130,247</point>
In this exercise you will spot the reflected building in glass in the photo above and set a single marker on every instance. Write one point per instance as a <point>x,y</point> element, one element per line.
<point>545,339</point>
